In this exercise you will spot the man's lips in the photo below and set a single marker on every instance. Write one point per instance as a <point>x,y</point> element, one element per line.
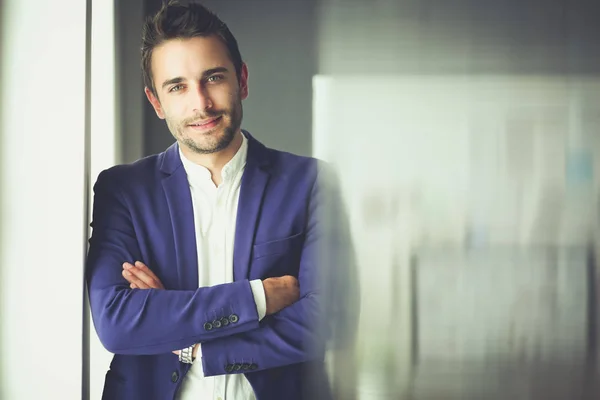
<point>205,123</point>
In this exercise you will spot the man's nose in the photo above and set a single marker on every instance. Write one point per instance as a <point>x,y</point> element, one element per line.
<point>202,100</point>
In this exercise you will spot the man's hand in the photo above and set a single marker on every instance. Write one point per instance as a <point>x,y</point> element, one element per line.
<point>280,292</point>
<point>140,276</point>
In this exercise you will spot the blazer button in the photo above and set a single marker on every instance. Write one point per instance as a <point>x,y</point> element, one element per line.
<point>208,326</point>
<point>224,321</point>
<point>233,318</point>
<point>174,377</point>
<point>245,367</point>
<point>229,367</point>
<point>216,323</point>
<point>237,367</point>
<point>253,367</point>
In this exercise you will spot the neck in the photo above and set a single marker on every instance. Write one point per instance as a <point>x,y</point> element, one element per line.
<point>215,162</point>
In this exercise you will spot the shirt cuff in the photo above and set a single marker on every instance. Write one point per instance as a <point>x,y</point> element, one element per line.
<point>258,291</point>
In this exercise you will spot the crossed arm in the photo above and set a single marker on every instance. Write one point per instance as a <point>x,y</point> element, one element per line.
<point>279,292</point>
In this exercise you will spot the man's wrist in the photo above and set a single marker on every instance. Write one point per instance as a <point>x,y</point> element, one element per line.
<point>186,355</point>
<point>260,298</point>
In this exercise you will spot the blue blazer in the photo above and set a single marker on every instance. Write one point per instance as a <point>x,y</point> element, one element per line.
<point>143,211</point>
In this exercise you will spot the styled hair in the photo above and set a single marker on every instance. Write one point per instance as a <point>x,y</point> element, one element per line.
<point>176,20</point>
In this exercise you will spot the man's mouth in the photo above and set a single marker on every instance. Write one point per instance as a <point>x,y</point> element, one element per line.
<point>203,124</point>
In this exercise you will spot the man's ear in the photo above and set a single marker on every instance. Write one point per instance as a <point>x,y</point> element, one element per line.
<point>244,81</point>
<point>155,103</point>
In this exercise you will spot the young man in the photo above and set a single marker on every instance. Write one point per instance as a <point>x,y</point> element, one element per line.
<point>203,271</point>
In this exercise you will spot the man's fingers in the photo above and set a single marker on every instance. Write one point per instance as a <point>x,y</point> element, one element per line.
<point>134,281</point>
<point>141,276</point>
<point>143,267</point>
<point>153,279</point>
<point>138,277</point>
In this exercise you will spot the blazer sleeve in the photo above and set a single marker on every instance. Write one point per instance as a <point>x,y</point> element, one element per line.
<point>325,314</point>
<point>134,321</point>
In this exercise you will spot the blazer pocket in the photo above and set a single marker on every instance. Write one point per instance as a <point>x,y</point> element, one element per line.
<point>278,247</point>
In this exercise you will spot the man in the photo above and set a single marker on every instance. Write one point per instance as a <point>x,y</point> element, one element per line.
<point>203,269</point>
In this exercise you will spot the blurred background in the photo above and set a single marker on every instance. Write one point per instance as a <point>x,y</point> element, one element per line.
<point>466,138</point>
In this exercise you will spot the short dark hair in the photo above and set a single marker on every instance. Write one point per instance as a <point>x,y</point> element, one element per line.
<point>176,20</point>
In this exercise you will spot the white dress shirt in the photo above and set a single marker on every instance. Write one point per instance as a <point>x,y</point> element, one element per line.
<point>215,212</point>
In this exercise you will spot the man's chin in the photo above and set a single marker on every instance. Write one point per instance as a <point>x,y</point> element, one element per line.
<point>207,146</point>
<point>207,142</point>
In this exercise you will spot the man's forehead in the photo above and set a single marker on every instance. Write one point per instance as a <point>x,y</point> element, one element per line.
<point>197,48</point>
<point>199,53</point>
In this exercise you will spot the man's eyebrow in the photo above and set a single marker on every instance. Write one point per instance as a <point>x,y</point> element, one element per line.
<point>172,81</point>
<point>211,71</point>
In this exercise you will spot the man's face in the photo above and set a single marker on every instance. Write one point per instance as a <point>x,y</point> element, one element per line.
<point>198,92</point>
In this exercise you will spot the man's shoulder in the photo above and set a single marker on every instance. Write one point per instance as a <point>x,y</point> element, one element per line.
<point>285,163</point>
<point>142,170</point>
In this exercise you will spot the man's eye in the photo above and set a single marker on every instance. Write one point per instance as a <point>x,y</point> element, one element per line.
<point>215,78</point>
<point>176,88</point>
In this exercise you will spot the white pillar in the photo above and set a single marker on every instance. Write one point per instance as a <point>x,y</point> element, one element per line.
<point>105,146</point>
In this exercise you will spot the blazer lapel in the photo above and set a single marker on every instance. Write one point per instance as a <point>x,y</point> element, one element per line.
<point>179,202</point>
<point>255,180</point>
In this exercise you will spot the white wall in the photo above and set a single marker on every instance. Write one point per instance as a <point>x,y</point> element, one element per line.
<point>43,187</point>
